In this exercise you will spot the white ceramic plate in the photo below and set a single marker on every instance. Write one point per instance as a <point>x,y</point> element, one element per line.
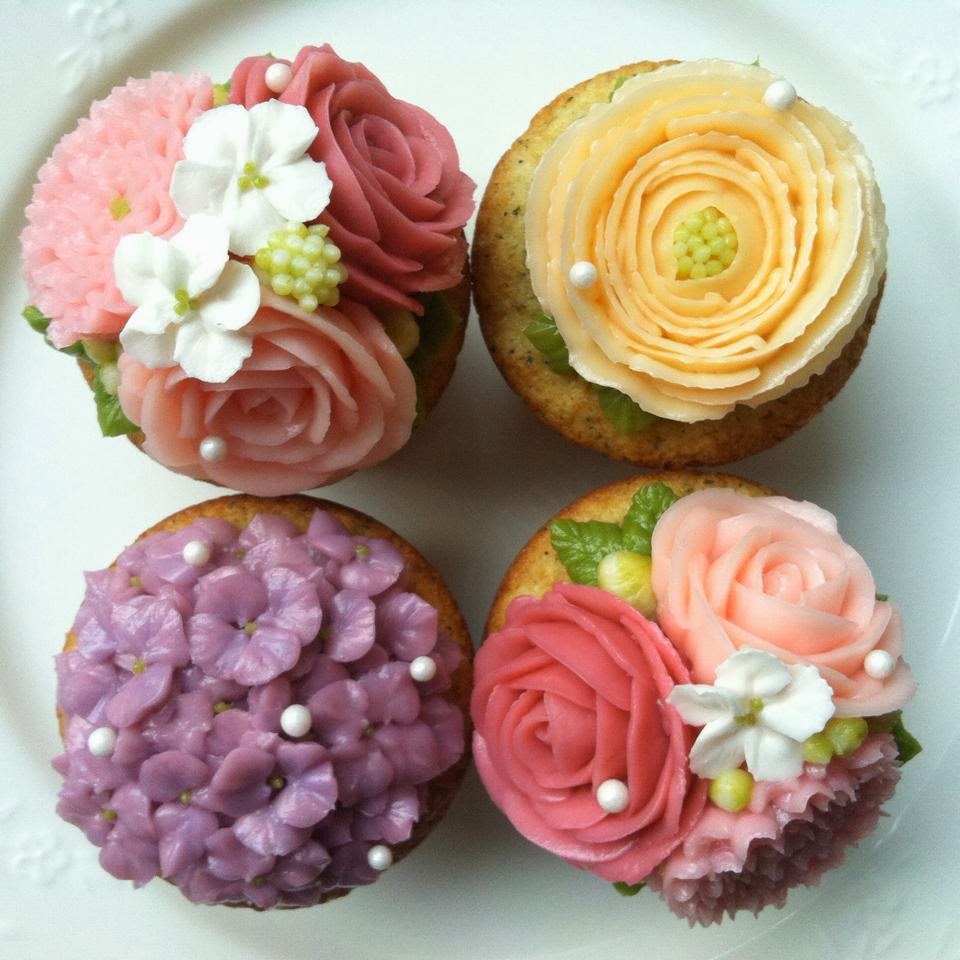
<point>885,456</point>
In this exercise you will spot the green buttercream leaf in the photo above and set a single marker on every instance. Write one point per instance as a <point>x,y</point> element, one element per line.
<point>628,889</point>
<point>646,508</point>
<point>437,325</point>
<point>625,414</point>
<point>36,319</point>
<point>39,322</point>
<point>582,545</point>
<point>908,746</point>
<point>113,422</point>
<point>546,338</point>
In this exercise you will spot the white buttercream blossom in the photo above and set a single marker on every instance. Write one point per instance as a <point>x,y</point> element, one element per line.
<point>251,168</point>
<point>760,710</point>
<point>191,298</point>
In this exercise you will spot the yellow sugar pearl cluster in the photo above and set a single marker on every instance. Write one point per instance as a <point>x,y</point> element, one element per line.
<point>300,262</point>
<point>704,244</point>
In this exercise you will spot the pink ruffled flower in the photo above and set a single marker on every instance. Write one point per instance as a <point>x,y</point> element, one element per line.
<point>791,833</point>
<point>321,396</point>
<point>107,178</point>
<point>399,200</point>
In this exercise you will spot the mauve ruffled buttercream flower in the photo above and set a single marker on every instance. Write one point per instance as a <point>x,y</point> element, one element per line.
<point>202,786</point>
<point>399,199</point>
<point>107,178</point>
<point>322,395</point>
<point>789,835</point>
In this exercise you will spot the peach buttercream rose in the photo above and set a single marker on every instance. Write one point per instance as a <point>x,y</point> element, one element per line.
<point>732,571</point>
<point>323,394</point>
<point>793,267</point>
<point>400,200</point>
<point>568,694</point>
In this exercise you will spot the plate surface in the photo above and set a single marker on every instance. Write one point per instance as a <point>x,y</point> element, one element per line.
<point>885,456</point>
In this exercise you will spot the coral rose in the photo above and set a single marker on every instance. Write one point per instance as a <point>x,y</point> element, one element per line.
<point>322,395</point>
<point>568,694</point>
<point>399,200</point>
<point>732,571</point>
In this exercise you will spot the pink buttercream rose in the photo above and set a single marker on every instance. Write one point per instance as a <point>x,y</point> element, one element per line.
<point>399,199</point>
<point>570,693</point>
<point>732,571</point>
<point>322,395</point>
<point>107,178</point>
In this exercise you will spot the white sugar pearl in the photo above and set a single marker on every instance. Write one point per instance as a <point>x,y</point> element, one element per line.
<point>879,664</point>
<point>780,95</point>
<point>583,274</point>
<point>102,741</point>
<point>613,796</point>
<point>278,77</point>
<point>380,857</point>
<point>196,553</point>
<point>296,721</point>
<point>423,668</point>
<point>213,449</point>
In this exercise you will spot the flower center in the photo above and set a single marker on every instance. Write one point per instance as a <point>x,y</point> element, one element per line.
<point>184,302</point>
<point>276,782</point>
<point>139,665</point>
<point>108,814</point>
<point>704,244</point>
<point>119,207</point>
<point>251,178</point>
<point>749,719</point>
<point>221,706</point>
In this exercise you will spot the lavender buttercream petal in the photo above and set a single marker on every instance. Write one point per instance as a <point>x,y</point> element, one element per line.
<point>169,774</point>
<point>141,694</point>
<point>407,625</point>
<point>264,832</point>
<point>229,859</point>
<point>182,832</point>
<point>352,626</point>
<point>268,653</point>
<point>392,694</point>
<point>128,856</point>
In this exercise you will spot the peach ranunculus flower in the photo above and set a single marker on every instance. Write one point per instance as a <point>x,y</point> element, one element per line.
<point>733,572</point>
<point>569,694</point>
<point>322,394</point>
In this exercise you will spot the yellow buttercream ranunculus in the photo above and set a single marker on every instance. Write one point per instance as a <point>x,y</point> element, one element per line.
<point>795,185</point>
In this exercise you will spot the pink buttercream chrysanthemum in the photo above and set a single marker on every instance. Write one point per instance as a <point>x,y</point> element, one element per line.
<point>107,178</point>
<point>790,834</point>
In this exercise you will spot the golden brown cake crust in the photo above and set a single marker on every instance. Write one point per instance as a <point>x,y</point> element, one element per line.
<point>536,568</point>
<point>423,579</point>
<point>506,304</point>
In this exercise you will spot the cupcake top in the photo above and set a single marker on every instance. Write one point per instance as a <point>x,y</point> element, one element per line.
<point>256,714</point>
<point>243,267</point>
<point>704,239</point>
<point>719,675</point>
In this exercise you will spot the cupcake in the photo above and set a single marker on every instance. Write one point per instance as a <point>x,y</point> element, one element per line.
<point>691,684</point>
<point>263,280</point>
<point>679,263</point>
<point>263,702</point>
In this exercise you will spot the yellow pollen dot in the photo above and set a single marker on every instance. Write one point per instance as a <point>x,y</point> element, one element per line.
<point>704,244</point>
<point>119,207</point>
<point>139,665</point>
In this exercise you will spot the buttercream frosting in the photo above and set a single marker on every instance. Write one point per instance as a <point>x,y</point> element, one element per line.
<point>795,184</point>
<point>197,670</point>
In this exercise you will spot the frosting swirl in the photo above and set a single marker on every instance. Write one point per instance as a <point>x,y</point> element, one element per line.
<point>399,201</point>
<point>732,571</point>
<point>798,190</point>
<point>192,666</point>
<point>569,694</point>
<point>322,395</point>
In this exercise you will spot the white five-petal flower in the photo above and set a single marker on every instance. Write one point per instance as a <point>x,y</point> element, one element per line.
<point>760,710</point>
<point>191,298</point>
<point>251,168</point>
